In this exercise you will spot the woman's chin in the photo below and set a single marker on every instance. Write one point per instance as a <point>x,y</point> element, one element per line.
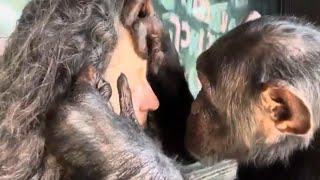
<point>142,118</point>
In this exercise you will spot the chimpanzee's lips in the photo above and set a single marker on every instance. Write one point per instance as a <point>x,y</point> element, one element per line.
<point>206,160</point>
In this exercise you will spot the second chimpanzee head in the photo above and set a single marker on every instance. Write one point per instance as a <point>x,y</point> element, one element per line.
<point>260,93</point>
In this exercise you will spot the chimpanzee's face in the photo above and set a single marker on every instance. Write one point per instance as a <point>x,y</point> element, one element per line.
<point>212,125</point>
<point>249,107</point>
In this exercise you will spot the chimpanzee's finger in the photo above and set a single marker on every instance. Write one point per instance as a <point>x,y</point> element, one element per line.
<point>136,9</point>
<point>156,54</point>
<point>88,75</point>
<point>126,105</point>
<point>131,10</point>
<point>147,33</point>
<point>104,88</point>
<point>140,32</point>
<point>93,78</point>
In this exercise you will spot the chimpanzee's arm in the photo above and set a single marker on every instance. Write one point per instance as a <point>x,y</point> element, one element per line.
<point>89,139</point>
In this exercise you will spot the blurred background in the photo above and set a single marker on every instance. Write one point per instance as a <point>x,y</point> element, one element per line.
<point>10,11</point>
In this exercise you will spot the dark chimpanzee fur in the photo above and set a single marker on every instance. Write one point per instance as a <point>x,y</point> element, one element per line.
<point>259,101</point>
<point>169,84</point>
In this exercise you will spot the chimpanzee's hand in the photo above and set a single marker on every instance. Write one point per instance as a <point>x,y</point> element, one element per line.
<point>91,140</point>
<point>146,28</point>
<point>151,41</point>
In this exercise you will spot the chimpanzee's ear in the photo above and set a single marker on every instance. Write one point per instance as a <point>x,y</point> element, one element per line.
<point>288,112</point>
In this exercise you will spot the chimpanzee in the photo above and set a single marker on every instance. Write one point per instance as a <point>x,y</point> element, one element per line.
<point>259,100</point>
<point>175,102</point>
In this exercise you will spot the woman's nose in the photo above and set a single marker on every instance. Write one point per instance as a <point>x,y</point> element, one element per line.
<point>150,101</point>
<point>144,100</point>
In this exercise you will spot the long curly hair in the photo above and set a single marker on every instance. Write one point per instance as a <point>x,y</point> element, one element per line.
<point>53,40</point>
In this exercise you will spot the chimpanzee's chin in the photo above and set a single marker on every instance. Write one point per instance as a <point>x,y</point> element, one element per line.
<point>209,160</point>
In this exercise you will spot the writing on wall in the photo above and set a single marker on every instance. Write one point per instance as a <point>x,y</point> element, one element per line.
<point>195,24</point>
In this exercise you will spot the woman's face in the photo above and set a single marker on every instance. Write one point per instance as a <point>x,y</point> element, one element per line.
<point>125,60</point>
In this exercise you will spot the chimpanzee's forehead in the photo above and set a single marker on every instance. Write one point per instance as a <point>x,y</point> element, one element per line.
<point>239,47</point>
<point>217,65</point>
<point>269,48</point>
<point>231,50</point>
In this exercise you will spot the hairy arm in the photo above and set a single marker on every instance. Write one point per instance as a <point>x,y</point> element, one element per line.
<point>90,140</point>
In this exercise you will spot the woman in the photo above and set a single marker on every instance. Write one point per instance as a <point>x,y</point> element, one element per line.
<point>53,40</point>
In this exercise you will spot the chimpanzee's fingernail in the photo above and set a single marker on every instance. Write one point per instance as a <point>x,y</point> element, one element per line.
<point>126,105</point>
<point>105,90</point>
